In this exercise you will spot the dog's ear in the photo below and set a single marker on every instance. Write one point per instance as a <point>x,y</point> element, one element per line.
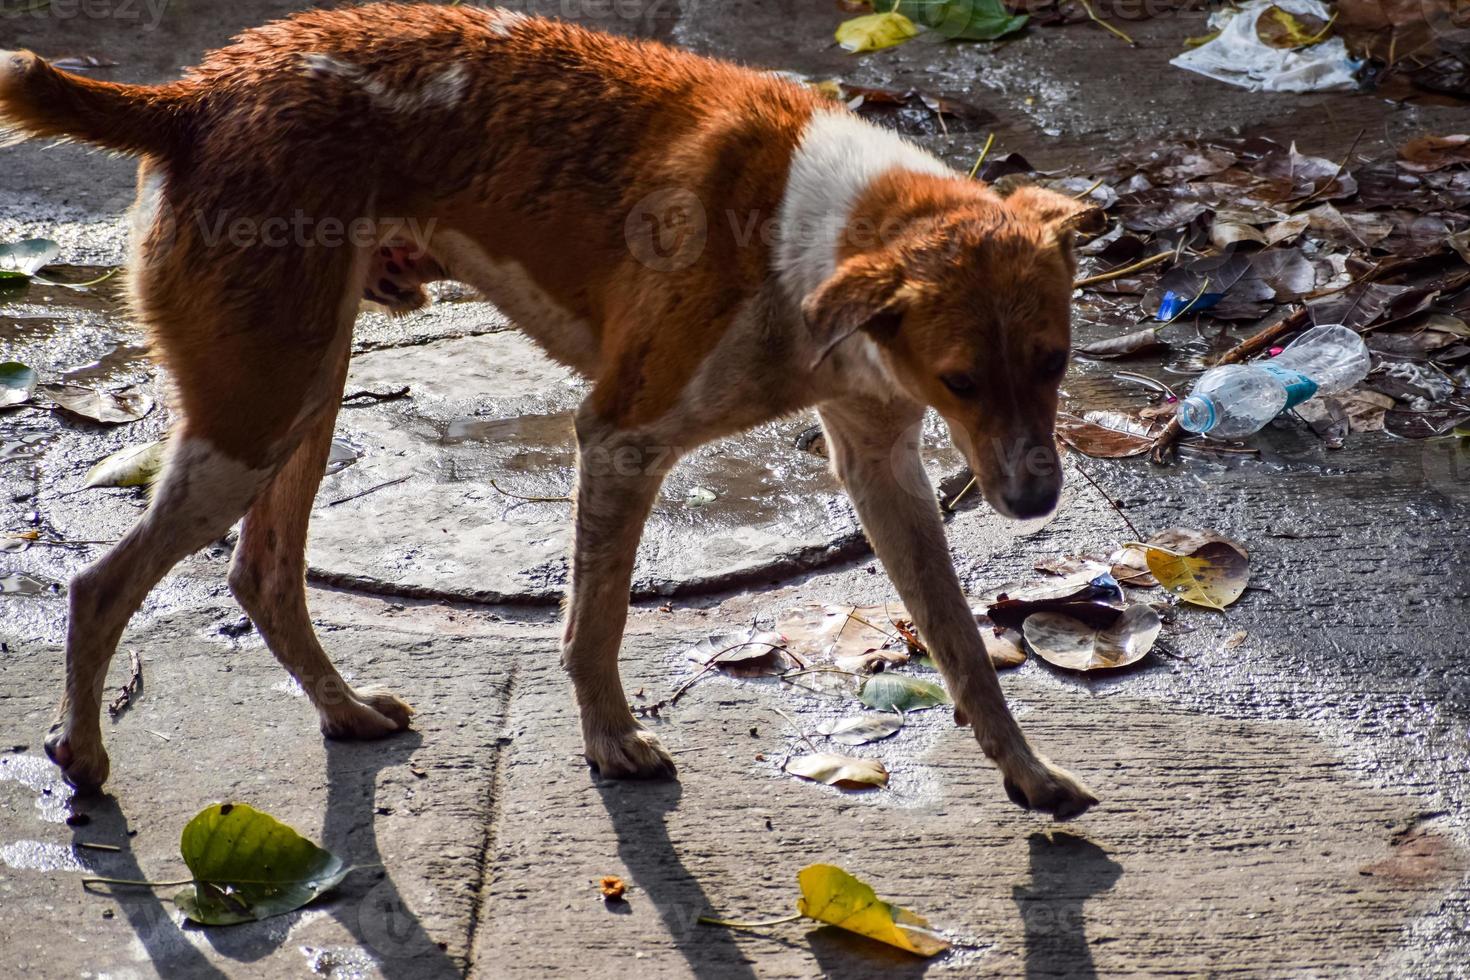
<point>1062,214</point>
<point>866,293</point>
<point>1062,217</point>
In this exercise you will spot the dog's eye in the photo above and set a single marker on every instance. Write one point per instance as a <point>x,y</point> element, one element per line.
<point>962,385</point>
<point>1054,365</point>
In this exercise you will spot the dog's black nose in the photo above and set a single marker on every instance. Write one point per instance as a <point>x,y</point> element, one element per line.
<point>1032,501</point>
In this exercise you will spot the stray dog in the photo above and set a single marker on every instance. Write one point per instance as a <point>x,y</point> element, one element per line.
<point>713,247</point>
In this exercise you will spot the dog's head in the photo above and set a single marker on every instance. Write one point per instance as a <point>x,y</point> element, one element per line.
<point>967,297</point>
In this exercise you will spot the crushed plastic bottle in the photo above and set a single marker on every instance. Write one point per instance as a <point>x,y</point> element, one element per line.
<point>1236,400</point>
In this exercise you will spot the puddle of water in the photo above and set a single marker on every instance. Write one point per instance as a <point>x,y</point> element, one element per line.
<point>26,443</point>
<point>339,962</point>
<point>34,855</point>
<point>549,431</point>
<point>36,773</point>
<point>19,583</point>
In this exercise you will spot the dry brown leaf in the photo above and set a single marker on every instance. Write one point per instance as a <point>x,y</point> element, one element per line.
<point>842,771</point>
<point>1073,645</point>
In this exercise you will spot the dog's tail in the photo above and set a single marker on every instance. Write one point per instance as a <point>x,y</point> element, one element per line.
<point>37,100</point>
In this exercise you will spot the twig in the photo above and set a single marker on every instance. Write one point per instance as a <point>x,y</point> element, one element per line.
<point>1087,6</point>
<point>1204,288</point>
<point>1117,509</point>
<point>710,920</point>
<point>951,505</point>
<point>1341,168</point>
<point>799,733</point>
<point>565,499</point>
<point>1088,193</point>
<point>364,493</point>
<point>135,883</point>
<point>1147,263</point>
<point>985,152</point>
<point>645,710</point>
<point>815,670</point>
<point>129,690</point>
<point>91,846</point>
<point>377,396</point>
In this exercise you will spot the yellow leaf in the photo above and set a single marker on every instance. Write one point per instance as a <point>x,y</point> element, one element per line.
<point>874,32</point>
<point>831,895</point>
<point>1199,567</point>
<point>1283,29</point>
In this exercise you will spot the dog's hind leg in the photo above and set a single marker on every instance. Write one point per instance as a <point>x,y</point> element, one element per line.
<point>251,368</point>
<point>201,493</point>
<point>268,577</point>
<point>618,476</point>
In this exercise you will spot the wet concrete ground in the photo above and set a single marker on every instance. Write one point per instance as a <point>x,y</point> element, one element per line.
<point>1290,806</point>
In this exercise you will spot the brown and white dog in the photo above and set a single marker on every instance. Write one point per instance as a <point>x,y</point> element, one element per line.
<point>818,261</point>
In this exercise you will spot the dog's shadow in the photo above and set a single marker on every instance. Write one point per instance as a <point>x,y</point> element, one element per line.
<point>386,933</point>
<point>638,811</point>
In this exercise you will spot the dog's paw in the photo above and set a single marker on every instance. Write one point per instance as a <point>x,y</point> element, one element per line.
<point>1049,789</point>
<point>634,754</point>
<point>85,767</point>
<point>370,712</point>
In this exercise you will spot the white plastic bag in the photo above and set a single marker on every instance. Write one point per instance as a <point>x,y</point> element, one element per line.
<point>1239,56</point>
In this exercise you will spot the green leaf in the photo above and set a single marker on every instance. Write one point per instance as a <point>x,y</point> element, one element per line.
<point>17,382</point>
<point>895,692</point>
<point>964,20</point>
<point>873,32</point>
<point>247,865</point>
<point>135,466</point>
<point>28,257</point>
<point>831,895</point>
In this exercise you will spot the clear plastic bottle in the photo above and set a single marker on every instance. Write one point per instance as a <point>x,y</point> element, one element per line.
<point>1237,399</point>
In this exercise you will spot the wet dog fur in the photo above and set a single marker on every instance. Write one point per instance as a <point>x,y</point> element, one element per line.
<point>713,247</point>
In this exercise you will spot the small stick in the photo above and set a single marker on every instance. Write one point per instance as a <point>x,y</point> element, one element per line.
<point>377,396</point>
<point>1087,6</point>
<point>949,507</point>
<point>710,920</point>
<point>89,845</point>
<point>1147,263</point>
<point>1340,167</point>
<point>800,734</point>
<point>128,691</point>
<point>1111,502</point>
<point>1088,193</point>
<point>364,493</point>
<point>565,499</point>
<point>1204,288</point>
<point>980,161</point>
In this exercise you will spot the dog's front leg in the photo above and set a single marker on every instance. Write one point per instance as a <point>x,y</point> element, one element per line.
<point>618,477</point>
<point>875,451</point>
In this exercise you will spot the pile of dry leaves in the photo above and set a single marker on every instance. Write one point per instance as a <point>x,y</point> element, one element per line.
<point>1206,237</point>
